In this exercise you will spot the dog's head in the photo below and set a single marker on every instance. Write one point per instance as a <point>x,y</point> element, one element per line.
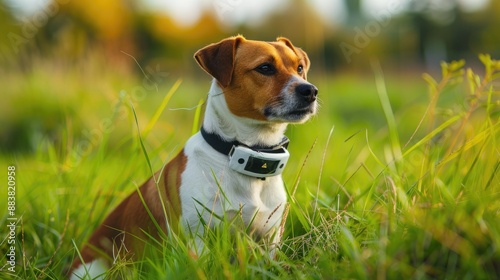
<point>264,81</point>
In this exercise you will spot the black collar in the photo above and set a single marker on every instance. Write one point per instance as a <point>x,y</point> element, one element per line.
<point>224,147</point>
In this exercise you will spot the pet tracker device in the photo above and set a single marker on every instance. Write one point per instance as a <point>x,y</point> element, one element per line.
<point>258,163</point>
<point>255,161</point>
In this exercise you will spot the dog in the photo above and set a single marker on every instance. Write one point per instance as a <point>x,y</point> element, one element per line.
<point>232,166</point>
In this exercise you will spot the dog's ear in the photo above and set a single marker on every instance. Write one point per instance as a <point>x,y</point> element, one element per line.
<point>218,59</point>
<point>298,51</point>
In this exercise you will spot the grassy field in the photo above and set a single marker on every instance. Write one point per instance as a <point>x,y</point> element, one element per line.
<point>397,177</point>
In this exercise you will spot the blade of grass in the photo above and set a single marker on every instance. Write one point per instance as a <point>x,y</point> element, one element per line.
<point>372,152</point>
<point>479,138</point>
<point>197,117</point>
<point>141,142</point>
<point>321,172</point>
<point>386,106</point>
<point>433,133</point>
<point>156,181</point>
<point>493,174</point>
<point>161,108</point>
<point>298,210</point>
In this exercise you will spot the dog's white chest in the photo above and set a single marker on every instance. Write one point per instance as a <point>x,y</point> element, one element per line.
<point>211,188</point>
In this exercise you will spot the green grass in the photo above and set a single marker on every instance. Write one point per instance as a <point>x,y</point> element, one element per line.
<point>397,177</point>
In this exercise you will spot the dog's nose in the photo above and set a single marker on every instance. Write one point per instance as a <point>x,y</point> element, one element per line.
<point>307,91</point>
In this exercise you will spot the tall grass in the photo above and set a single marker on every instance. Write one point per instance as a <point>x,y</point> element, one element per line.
<point>414,199</point>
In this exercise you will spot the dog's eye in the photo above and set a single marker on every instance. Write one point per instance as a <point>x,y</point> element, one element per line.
<point>300,69</point>
<point>266,69</point>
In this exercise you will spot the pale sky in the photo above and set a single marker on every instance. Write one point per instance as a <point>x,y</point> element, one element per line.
<point>231,12</point>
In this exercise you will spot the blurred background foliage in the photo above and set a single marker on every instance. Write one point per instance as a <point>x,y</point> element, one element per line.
<point>50,49</point>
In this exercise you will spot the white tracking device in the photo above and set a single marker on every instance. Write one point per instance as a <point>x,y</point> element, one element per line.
<point>258,164</point>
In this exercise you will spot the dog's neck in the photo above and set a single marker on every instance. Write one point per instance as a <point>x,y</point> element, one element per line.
<point>219,120</point>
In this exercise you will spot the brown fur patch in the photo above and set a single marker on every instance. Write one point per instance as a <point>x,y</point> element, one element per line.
<point>123,229</point>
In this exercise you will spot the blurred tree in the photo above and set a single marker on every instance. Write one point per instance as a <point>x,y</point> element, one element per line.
<point>178,40</point>
<point>297,21</point>
<point>354,11</point>
<point>10,35</point>
<point>108,24</point>
<point>487,39</point>
<point>445,31</point>
<point>117,26</point>
<point>430,30</point>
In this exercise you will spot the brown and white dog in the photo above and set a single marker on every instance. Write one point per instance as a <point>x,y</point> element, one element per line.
<point>258,88</point>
